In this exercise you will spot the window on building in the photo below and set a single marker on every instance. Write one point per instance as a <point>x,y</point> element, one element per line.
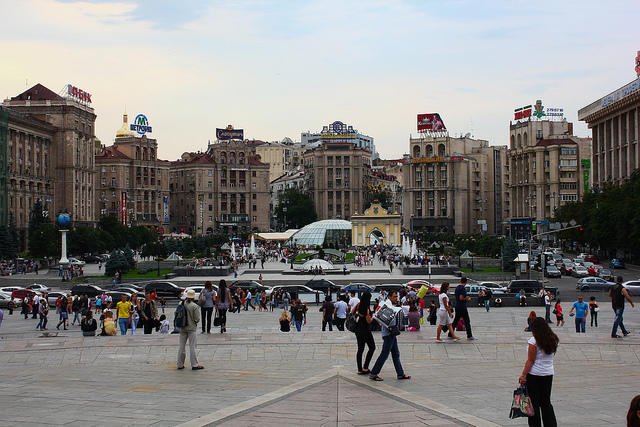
<point>346,160</point>
<point>568,151</point>
<point>113,168</point>
<point>338,160</point>
<point>113,182</point>
<point>210,172</point>
<point>210,219</point>
<point>568,162</point>
<point>254,218</point>
<point>103,181</point>
<point>329,160</point>
<point>568,197</point>
<point>253,174</point>
<point>254,208</point>
<point>253,185</point>
<point>104,169</point>
<point>210,207</point>
<point>253,196</point>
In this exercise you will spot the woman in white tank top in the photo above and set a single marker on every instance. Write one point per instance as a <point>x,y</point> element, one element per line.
<point>444,313</point>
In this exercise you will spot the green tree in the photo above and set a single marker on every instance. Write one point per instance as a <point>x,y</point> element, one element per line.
<point>509,253</point>
<point>119,232</point>
<point>8,247</point>
<point>129,255</point>
<point>116,262</point>
<point>299,212</point>
<point>42,234</point>
<point>377,194</point>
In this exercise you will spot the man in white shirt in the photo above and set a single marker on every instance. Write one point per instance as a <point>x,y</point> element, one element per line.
<point>353,301</point>
<point>340,313</point>
<point>36,301</point>
<point>547,307</point>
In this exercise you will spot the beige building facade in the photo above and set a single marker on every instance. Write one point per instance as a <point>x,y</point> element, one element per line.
<point>282,157</point>
<point>133,184</point>
<point>546,168</point>
<point>61,154</point>
<point>452,185</point>
<point>336,175</point>
<point>376,226</point>
<point>614,121</point>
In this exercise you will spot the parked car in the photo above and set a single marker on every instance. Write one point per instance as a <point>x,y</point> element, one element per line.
<point>495,288</point>
<point>196,288</point>
<point>417,284</point>
<point>19,294</point>
<point>303,292</point>
<point>605,274</point>
<point>164,289</point>
<point>4,300</point>
<point>38,287</point>
<point>580,271</point>
<point>88,290</point>
<point>52,297</point>
<point>594,269</point>
<point>592,258</point>
<point>616,263</point>
<point>566,268</point>
<point>357,287</point>
<point>252,285</point>
<point>323,285</point>
<point>117,296</point>
<point>552,271</point>
<point>632,286</point>
<point>9,289</point>
<point>389,287</point>
<point>525,285</point>
<point>136,287</point>
<point>127,289</point>
<point>91,258</point>
<point>76,262</point>
<point>593,283</point>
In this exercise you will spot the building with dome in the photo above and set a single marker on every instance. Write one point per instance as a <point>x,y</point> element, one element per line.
<point>331,233</point>
<point>133,184</point>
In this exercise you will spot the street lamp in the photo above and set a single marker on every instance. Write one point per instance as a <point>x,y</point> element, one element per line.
<point>284,212</point>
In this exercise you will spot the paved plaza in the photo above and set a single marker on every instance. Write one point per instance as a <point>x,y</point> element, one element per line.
<point>256,375</point>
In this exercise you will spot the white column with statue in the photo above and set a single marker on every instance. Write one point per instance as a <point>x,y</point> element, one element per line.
<point>63,220</point>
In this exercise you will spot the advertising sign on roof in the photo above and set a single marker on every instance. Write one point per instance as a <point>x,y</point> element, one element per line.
<point>522,113</point>
<point>430,121</point>
<point>140,125</point>
<point>78,94</point>
<point>227,134</point>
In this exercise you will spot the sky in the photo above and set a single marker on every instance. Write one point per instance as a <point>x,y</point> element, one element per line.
<point>279,68</point>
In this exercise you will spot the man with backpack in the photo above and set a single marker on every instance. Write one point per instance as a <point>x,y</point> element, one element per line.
<point>187,317</point>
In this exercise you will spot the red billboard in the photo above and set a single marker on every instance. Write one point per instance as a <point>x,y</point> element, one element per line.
<point>430,121</point>
<point>522,113</point>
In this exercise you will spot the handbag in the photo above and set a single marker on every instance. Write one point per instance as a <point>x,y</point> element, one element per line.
<point>202,299</point>
<point>385,315</point>
<point>521,405</point>
<point>217,320</point>
<point>352,322</point>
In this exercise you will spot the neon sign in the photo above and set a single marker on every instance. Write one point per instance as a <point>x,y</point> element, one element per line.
<point>140,124</point>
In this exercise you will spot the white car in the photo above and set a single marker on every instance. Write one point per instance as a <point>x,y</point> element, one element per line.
<point>76,262</point>
<point>38,287</point>
<point>632,287</point>
<point>495,287</point>
<point>9,289</point>
<point>303,292</point>
<point>197,289</point>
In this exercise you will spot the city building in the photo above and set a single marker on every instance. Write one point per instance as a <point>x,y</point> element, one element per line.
<point>50,153</point>
<point>291,179</point>
<point>26,174</point>
<point>546,169</point>
<point>241,186</point>
<point>452,185</point>
<point>376,226</point>
<point>281,156</point>
<point>133,184</point>
<point>614,121</point>
<point>339,132</point>
<point>336,175</point>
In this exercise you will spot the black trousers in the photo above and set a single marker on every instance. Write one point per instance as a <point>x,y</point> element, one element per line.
<point>540,393</point>
<point>364,338</point>
<point>340,323</point>
<point>462,313</point>
<point>222,314</point>
<point>205,314</point>
<point>324,324</point>
<point>148,326</point>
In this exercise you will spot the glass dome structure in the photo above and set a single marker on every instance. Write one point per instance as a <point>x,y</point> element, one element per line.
<point>329,232</point>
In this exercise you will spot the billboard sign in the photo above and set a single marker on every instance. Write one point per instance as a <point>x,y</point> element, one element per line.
<point>438,159</point>
<point>78,94</point>
<point>140,125</point>
<point>227,134</point>
<point>430,122</point>
<point>555,112</point>
<point>638,64</point>
<point>522,113</point>
<point>165,208</point>
<point>123,207</point>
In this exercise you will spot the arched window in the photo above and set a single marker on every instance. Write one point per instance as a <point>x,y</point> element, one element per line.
<point>232,158</point>
<point>223,157</point>
<point>429,150</point>
<point>441,150</point>
<point>519,141</point>
<point>145,155</point>
<point>513,141</point>
<point>525,140</point>
<point>137,153</point>
<point>241,158</point>
<point>152,154</point>
<point>416,151</point>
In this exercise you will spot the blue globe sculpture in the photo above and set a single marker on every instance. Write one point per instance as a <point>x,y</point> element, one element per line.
<point>64,219</point>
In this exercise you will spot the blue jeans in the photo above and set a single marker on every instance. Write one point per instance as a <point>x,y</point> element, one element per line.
<point>124,323</point>
<point>580,324</point>
<point>298,325</point>
<point>618,322</point>
<point>389,345</point>
<point>486,304</point>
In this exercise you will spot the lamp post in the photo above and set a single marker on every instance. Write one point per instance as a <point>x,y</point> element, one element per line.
<point>284,212</point>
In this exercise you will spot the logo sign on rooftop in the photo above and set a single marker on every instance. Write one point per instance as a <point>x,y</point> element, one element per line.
<point>638,64</point>
<point>229,133</point>
<point>78,94</point>
<point>430,122</point>
<point>140,125</point>
<point>522,113</point>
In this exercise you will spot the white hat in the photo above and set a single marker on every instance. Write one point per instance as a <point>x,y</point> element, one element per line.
<point>191,294</point>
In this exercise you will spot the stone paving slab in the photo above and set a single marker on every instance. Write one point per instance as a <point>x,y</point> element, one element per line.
<point>132,380</point>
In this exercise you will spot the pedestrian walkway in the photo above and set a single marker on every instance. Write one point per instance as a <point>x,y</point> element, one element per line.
<point>132,380</point>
